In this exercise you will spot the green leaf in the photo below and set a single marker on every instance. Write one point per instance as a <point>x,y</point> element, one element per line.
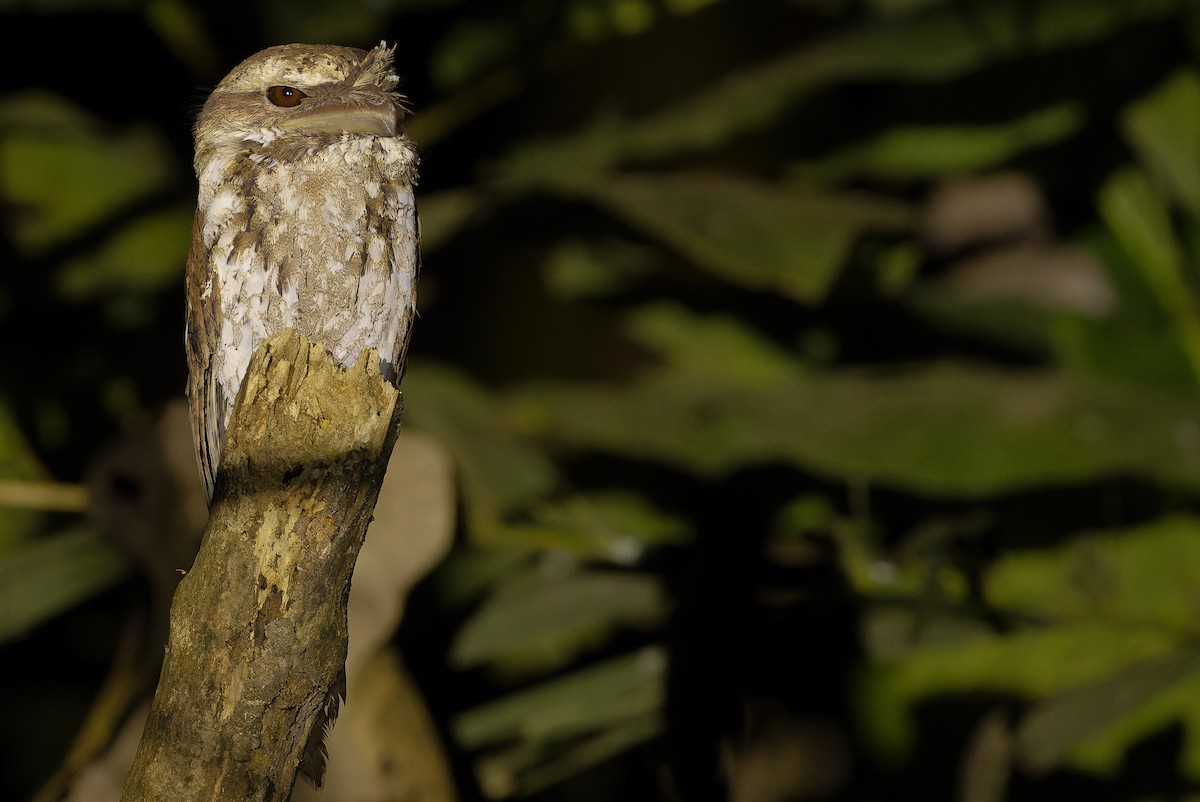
<point>468,572</point>
<point>1135,343</point>
<point>1140,584</point>
<point>1059,724</point>
<point>1140,355</point>
<point>17,462</point>
<point>538,623</point>
<point>181,28</point>
<point>524,770</point>
<point>1161,694</point>
<point>616,526</point>
<point>749,100</point>
<point>322,21</point>
<point>716,347</point>
<point>45,577</point>
<point>615,691</point>
<point>929,152</point>
<point>144,256</point>
<point>945,429</point>
<point>63,171</point>
<point>557,729</point>
<point>790,239</point>
<point>1014,324</point>
<point>937,46</point>
<point>1028,663</point>
<point>1011,28</point>
<point>473,48</point>
<point>501,472</point>
<point>1141,223</point>
<point>1146,574</point>
<point>445,214</point>
<point>581,268</point>
<point>1164,127</point>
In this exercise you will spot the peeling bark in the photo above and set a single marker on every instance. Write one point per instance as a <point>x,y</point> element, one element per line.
<point>256,653</point>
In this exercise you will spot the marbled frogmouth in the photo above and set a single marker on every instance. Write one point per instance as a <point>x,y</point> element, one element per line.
<point>306,220</point>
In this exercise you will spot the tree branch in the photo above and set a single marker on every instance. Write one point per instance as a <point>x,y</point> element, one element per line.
<point>256,653</point>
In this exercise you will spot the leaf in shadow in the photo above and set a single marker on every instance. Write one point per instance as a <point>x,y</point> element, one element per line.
<point>143,256</point>
<point>64,171</point>
<point>318,21</point>
<point>1164,127</point>
<point>17,463</point>
<point>906,154</point>
<point>1140,576</point>
<point>500,471</point>
<point>951,429</point>
<point>474,47</point>
<point>1060,723</point>
<point>581,268</point>
<point>1141,222</point>
<point>1030,663</point>
<point>937,46</point>
<point>587,699</point>
<point>47,576</point>
<point>561,726</point>
<point>1109,662</point>
<point>445,214</point>
<point>618,526</point>
<point>791,239</point>
<point>537,623</point>
<point>718,347</point>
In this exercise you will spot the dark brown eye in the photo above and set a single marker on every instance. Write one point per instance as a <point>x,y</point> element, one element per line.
<point>286,96</point>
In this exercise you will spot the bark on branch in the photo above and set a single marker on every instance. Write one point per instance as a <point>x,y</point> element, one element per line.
<point>257,644</point>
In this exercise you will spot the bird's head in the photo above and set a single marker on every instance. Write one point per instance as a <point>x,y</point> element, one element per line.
<point>302,90</point>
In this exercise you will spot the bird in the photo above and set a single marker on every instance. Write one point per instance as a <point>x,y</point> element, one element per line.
<point>305,219</point>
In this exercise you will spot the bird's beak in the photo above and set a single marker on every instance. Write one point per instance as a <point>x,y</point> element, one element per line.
<point>336,118</point>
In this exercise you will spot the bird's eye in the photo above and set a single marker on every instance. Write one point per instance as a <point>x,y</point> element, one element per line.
<point>286,96</point>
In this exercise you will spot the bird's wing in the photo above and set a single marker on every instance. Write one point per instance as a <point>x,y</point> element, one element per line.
<point>205,401</point>
<point>406,258</point>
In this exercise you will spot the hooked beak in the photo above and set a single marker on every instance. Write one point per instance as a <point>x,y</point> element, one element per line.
<point>337,118</point>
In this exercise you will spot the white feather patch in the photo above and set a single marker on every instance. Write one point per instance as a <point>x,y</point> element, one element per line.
<point>314,263</point>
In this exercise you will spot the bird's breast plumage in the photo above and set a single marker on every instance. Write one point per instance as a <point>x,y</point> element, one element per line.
<point>318,234</point>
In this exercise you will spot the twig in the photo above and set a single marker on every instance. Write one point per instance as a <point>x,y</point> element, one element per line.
<point>50,496</point>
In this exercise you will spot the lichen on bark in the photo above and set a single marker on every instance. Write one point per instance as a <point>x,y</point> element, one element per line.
<point>256,653</point>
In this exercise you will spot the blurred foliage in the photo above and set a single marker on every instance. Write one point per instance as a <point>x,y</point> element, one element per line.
<point>837,358</point>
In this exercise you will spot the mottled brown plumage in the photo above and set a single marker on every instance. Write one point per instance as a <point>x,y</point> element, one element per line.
<point>305,220</point>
